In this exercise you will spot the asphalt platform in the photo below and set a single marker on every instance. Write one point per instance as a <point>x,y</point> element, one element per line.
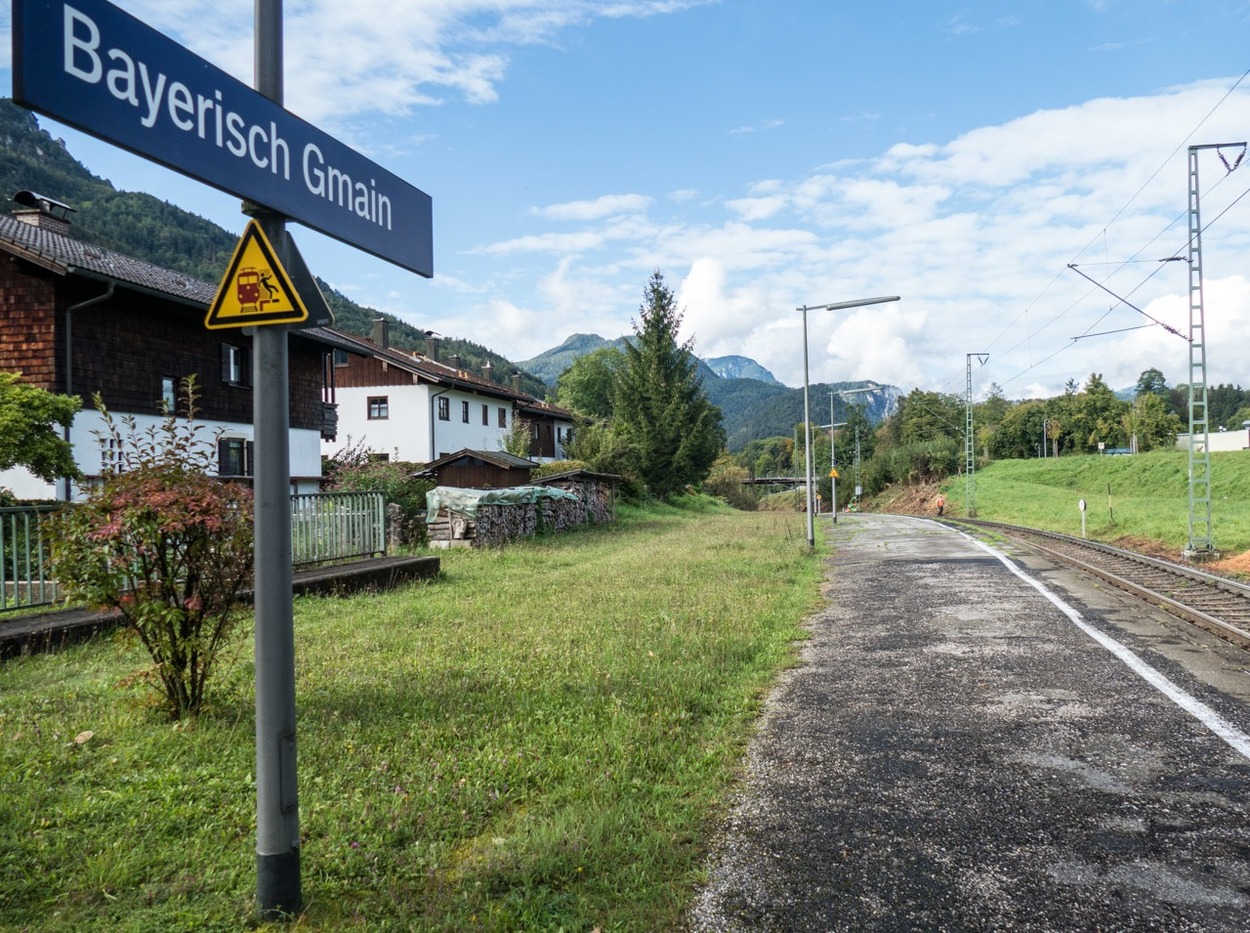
<point>962,750</point>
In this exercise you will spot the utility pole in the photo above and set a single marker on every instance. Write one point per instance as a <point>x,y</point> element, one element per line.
<point>970,446</point>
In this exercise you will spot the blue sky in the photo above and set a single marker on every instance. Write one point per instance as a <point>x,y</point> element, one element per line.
<point>767,155</point>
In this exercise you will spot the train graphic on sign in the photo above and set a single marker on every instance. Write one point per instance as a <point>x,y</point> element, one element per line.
<point>248,287</point>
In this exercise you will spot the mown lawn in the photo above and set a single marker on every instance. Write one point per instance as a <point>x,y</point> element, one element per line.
<point>1144,496</point>
<point>539,740</point>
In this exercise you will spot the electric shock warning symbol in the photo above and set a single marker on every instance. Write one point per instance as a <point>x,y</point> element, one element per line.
<point>256,289</point>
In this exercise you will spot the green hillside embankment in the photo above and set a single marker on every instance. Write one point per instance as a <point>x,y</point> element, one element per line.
<point>1140,501</point>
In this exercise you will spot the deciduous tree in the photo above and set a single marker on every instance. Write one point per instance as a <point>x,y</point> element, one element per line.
<point>587,386</point>
<point>29,417</point>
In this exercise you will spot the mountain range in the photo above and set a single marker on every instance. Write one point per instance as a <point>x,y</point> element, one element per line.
<point>753,403</point>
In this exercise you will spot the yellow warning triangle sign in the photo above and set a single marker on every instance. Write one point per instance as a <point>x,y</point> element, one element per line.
<point>256,289</point>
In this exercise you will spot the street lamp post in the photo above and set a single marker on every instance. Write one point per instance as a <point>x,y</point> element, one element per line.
<point>807,422</point>
<point>833,460</point>
<point>833,465</point>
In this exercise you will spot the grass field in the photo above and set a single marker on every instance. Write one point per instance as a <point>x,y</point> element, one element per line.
<point>1144,496</point>
<point>539,740</point>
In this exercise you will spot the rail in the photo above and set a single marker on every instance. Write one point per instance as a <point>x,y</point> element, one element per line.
<point>1215,603</point>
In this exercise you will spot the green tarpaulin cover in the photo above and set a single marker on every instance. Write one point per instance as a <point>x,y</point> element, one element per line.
<point>466,501</point>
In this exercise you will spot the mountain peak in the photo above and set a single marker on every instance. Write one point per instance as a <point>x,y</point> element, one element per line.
<point>740,367</point>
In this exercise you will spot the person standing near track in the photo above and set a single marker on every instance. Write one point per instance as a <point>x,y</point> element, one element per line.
<point>941,504</point>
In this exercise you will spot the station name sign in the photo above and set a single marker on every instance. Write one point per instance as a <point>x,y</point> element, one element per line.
<point>97,68</point>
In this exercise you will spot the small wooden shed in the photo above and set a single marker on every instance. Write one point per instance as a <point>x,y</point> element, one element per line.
<point>479,469</point>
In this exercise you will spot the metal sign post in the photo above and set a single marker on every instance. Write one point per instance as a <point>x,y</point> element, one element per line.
<point>277,792</point>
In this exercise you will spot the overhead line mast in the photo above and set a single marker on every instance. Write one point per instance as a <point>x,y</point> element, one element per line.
<point>1200,545</point>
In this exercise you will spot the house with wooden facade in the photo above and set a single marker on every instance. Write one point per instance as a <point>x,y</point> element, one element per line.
<point>78,319</point>
<point>419,407</point>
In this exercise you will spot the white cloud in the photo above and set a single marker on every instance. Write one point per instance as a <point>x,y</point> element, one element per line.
<point>749,209</point>
<point>606,206</point>
<point>756,128</point>
<point>557,243</point>
<point>357,58</point>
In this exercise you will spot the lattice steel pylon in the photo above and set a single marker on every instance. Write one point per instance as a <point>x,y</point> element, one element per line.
<point>970,444</point>
<point>1201,543</point>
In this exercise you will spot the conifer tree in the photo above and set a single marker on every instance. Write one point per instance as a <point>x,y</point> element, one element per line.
<point>659,400</point>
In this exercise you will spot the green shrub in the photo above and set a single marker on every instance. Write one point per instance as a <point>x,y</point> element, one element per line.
<point>165,545</point>
<point>727,481</point>
<point>355,469</point>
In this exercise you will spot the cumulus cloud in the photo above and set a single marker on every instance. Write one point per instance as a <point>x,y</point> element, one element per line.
<point>357,58</point>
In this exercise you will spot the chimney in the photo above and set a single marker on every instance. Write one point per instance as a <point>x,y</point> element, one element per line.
<point>381,334</point>
<point>431,347</point>
<point>43,212</point>
<point>488,372</point>
<point>516,381</point>
<point>454,362</point>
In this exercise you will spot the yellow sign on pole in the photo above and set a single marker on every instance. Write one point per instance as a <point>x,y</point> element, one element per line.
<point>833,473</point>
<point>256,289</point>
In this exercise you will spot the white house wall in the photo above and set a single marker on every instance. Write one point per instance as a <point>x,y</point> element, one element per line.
<point>89,428</point>
<point>405,433</point>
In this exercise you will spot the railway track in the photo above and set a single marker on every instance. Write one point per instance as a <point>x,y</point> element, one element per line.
<point>1215,603</point>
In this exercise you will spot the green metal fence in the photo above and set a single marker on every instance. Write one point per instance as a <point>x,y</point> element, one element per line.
<point>25,571</point>
<point>325,527</point>
<point>329,526</point>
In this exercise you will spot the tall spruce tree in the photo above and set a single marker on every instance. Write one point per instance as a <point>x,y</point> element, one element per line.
<point>659,399</point>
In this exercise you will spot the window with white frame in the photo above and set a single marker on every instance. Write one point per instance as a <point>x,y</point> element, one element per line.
<point>444,409</point>
<point>503,417</point>
<point>236,365</point>
<point>464,411</point>
<point>486,415</point>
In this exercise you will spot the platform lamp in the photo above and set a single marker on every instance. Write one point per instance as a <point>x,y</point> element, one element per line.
<point>807,421</point>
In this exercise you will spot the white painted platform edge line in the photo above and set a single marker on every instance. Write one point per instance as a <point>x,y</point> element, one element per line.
<point>1236,739</point>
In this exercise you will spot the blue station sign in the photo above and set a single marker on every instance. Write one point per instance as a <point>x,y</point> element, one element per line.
<point>97,68</point>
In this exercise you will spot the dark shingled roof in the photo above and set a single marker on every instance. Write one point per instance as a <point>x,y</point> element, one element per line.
<point>65,255</point>
<point>499,458</point>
